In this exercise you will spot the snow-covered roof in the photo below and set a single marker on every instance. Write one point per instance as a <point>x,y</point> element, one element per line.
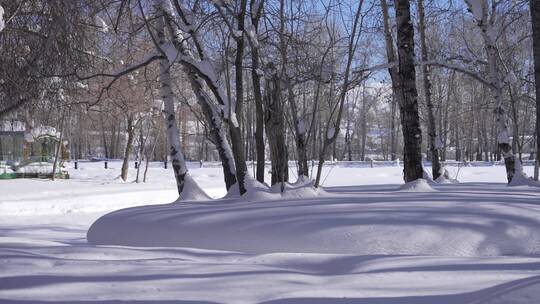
<point>41,131</point>
<point>11,126</point>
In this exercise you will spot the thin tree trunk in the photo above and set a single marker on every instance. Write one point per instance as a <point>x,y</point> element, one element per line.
<point>535,15</point>
<point>103,137</point>
<point>256,73</point>
<point>393,71</point>
<point>141,153</point>
<point>393,142</point>
<point>298,123</point>
<point>432,131</point>
<point>331,133</point>
<point>172,131</point>
<point>129,147</point>
<point>58,150</point>
<point>234,128</point>
<point>150,154</point>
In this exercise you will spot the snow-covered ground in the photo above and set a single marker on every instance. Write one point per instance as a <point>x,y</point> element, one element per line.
<point>361,240</point>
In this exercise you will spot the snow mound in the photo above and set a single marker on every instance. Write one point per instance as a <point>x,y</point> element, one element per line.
<point>521,179</point>
<point>427,176</point>
<point>451,223</point>
<point>445,177</point>
<point>192,191</point>
<point>259,192</point>
<point>37,167</point>
<point>419,185</point>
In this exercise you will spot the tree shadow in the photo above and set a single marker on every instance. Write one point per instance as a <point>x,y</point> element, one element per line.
<point>484,296</point>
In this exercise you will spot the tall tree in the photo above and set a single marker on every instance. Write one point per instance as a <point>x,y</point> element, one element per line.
<point>535,16</point>
<point>410,120</point>
<point>393,71</point>
<point>256,9</point>
<point>486,22</point>
<point>426,83</point>
<point>173,133</point>
<point>332,128</point>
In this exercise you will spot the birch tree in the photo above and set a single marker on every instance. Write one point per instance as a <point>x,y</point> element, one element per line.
<point>485,16</point>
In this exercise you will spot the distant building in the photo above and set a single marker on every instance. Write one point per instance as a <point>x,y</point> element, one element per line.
<point>19,144</point>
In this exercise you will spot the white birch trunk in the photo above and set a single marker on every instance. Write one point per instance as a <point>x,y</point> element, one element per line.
<point>485,22</point>
<point>172,131</point>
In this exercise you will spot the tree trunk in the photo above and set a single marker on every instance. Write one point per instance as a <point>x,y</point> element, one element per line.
<point>129,147</point>
<point>393,71</point>
<point>172,131</point>
<point>275,129</point>
<point>410,120</point>
<point>235,127</point>
<point>300,135</point>
<point>59,148</point>
<point>332,129</point>
<point>104,137</point>
<point>535,15</point>
<point>432,131</point>
<point>393,142</point>
<point>363,124</point>
<point>298,123</point>
<point>213,117</point>
<point>486,24</point>
<point>256,11</point>
<point>141,153</point>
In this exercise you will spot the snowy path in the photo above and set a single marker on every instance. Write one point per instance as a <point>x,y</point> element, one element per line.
<point>493,255</point>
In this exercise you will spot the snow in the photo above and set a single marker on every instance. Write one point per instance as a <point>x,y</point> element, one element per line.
<point>102,25</point>
<point>476,8</point>
<point>192,191</point>
<point>360,240</point>
<point>301,127</point>
<point>252,35</point>
<point>503,137</point>
<point>2,23</point>
<point>234,120</point>
<point>446,177</point>
<point>237,33</point>
<point>511,78</point>
<point>171,52</point>
<point>438,143</point>
<point>41,131</point>
<point>12,125</point>
<point>36,167</point>
<point>81,85</point>
<point>520,178</point>
<point>419,185</point>
<point>330,133</point>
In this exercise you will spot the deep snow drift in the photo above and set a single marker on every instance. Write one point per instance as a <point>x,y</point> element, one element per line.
<point>362,240</point>
<point>457,220</point>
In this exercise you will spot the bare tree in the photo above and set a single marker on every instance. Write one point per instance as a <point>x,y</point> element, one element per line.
<point>410,120</point>
<point>426,82</point>
<point>535,15</point>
